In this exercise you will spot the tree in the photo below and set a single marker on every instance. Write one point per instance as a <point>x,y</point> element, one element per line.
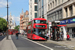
<point>3,24</point>
<point>17,27</point>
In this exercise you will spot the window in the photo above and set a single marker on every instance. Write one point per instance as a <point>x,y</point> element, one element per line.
<point>48,6</point>
<point>35,1</point>
<point>58,1</point>
<point>62,1</point>
<point>56,15</point>
<point>35,15</point>
<point>71,10</point>
<point>42,3</point>
<point>40,21</point>
<point>29,31</point>
<point>66,12</point>
<point>29,23</point>
<point>40,26</point>
<point>51,5</point>
<point>35,8</point>
<point>60,14</point>
<point>55,2</point>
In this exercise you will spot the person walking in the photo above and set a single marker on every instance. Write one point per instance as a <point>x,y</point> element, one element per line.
<point>61,35</point>
<point>17,34</point>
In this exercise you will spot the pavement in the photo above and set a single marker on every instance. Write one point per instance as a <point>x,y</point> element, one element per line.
<point>69,44</point>
<point>9,45</point>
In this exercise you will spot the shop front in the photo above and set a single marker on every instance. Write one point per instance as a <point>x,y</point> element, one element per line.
<point>70,27</point>
<point>57,31</point>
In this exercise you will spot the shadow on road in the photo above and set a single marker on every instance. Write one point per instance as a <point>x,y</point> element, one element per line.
<point>1,38</point>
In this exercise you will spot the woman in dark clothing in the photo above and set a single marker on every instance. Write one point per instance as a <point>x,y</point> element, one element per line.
<point>17,34</point>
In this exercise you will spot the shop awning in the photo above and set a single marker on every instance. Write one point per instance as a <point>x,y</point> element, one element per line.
<point>61,25</point>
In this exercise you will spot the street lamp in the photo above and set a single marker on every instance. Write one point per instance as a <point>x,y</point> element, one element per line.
<point>7,19</point>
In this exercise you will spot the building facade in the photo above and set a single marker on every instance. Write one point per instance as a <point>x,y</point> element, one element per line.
<point>11,24</point>
<point>42,8</point>
<point>32,9</point>
<point>24,19</point>
<point>63,11</point>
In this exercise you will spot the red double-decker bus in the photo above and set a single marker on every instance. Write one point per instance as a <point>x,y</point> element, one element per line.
<point>36,29</point>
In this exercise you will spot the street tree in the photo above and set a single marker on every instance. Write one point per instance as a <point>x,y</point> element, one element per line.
<point>3,24</point>
<point>17,27</point>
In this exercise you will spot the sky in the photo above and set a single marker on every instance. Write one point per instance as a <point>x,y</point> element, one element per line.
<point>15,8</point>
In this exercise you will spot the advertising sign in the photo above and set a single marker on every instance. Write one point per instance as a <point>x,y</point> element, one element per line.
<point>68,21</point>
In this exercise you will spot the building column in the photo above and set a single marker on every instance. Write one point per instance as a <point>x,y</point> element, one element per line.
<point>54,3</point>
<point>57,2</point>
<point>68,11</point>
<point>73,6</point>
<point>64,13</point>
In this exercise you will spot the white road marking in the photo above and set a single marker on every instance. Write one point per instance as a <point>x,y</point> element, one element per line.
<point>39,44</point>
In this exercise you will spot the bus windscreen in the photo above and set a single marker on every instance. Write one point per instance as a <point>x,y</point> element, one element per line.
<point>40,21</point>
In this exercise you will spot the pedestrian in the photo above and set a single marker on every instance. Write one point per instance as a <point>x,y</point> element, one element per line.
<point>58,35</point>
<point>51,36</point>
<point>68,36</point>
<point>17,34</point>
<point>61,35</point>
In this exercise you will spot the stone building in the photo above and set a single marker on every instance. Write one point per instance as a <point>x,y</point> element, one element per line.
<point>11,24</point>
<point>32,9</point>
<point>64,12</point>
<point>24,18</point>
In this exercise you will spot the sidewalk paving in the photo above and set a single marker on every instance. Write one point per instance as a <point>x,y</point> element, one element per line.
<point>7,44</point>
<point>69,44</point>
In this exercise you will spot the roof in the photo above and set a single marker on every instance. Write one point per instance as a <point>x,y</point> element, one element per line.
<point>39,19</point>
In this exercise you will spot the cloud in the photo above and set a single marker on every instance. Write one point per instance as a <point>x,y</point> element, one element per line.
<point>3,3</point>
<point>5,17</point>
<point>14,18</point>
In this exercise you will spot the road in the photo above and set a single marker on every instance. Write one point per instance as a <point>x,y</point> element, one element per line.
<point>25,44</point>
<point>1,38</point>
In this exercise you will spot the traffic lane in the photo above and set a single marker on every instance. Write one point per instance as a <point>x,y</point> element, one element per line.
<point>23,44</point>
<point>56,47</point>
<point>1,38</point>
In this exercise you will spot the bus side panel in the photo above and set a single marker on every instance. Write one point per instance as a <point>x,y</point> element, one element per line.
<point>29,35</point>
<point>36,37</point>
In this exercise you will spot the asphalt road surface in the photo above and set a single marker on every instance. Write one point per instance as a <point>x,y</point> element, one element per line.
<point>1,38</point>
<point>25,44</point>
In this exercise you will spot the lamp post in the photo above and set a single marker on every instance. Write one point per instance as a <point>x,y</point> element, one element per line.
<point>7,19</point>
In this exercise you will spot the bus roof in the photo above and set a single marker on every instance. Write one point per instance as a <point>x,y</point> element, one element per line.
<point>39,19</point>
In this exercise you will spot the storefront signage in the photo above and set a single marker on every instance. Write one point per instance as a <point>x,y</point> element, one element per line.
<point>68,21</point>
<point>63,22</point>
<point>73,19</point>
